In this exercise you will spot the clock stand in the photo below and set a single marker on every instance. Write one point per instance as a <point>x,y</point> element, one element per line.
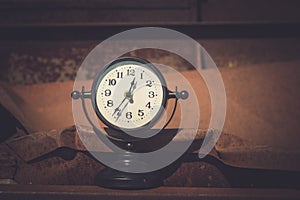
<point>112,178</point>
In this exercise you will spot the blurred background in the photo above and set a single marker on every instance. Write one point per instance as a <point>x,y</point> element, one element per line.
<point>46,40</point>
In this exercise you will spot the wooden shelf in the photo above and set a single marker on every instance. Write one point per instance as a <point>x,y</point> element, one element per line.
<point>64,192</point>
<point>99,31</point>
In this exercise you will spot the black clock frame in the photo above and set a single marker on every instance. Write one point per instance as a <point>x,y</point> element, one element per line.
<point>114,64</point>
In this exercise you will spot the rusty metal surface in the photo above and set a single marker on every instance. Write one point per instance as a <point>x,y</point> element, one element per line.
<point>230,149</point>
<point>32,146</point>
<point>60,192</point>
<point>58,157</point>
<point>197,174</point>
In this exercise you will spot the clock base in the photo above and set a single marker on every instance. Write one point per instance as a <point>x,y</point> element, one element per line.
<point>110,178</point>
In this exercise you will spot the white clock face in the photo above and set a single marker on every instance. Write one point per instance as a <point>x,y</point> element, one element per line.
<point>130,95</point>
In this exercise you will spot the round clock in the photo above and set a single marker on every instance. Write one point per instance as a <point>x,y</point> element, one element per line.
<point>129,94</point>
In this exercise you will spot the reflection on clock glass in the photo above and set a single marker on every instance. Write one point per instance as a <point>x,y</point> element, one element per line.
<point>129,95</point>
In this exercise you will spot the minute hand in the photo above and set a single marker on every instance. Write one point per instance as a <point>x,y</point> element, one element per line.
<point>118,108</point>
<point>121,111</point>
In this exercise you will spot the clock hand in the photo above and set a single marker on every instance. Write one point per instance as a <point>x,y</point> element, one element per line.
<point>134,87</point>
<point>131,85</point>
<point>121,111</point>
<point>128,94</point>
<point>131,94</point>
<point>118,108</point>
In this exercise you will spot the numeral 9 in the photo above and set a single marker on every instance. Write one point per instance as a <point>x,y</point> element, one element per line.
<point>107,92</point>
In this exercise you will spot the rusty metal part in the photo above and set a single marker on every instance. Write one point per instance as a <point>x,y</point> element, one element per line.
<point>8,192</point>
<point>197,174</point>
<point>59,157</point>
<point>229,149</point>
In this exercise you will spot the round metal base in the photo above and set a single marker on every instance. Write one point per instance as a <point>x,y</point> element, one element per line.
<point>110,178</point>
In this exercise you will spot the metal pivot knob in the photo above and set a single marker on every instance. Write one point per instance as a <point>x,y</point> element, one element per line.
<point>179,95</point>
<point>83,94</point>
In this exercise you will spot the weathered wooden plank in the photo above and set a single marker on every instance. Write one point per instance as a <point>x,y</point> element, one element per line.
<point>96,31</point>
<point>102,4</point>
<point>77,11</point>
<point>60,192</point>
<point>93,15</point>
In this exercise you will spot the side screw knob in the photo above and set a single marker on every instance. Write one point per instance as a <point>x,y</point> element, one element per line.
<point>75,95</point>
<point>184,94</point>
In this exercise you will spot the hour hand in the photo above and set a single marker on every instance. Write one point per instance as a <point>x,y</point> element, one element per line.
<point>134,86</point>
<point>131,85</point>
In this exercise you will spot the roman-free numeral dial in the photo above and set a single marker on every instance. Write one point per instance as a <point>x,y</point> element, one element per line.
<point>130,94</point>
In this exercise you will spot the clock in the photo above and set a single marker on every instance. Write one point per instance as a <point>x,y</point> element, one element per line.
<point>129,94</point>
